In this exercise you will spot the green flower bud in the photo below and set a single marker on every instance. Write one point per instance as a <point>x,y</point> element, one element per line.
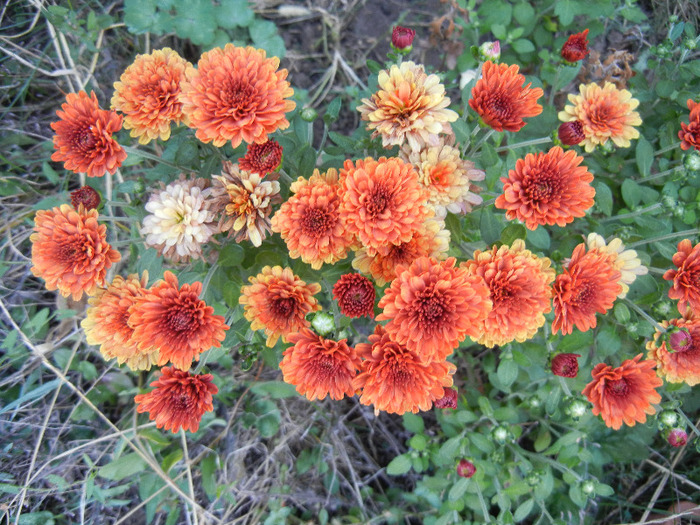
<point>309,114</point>
<point>500,434</point>
<point>323,323</point>
<point>588,488</point>
<point>667,419</point>
<point>691,161</point>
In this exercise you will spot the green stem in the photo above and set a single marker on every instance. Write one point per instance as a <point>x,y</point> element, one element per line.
<point>524,144</point>
<point>684,233</point>
<point>150,156</point>
<point>482,502</point>
<point>633,214</point>
<point>658,175</point>
<point>483,139</point>
<point>646,316</point>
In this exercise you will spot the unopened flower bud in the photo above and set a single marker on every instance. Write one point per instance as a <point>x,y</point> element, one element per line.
<point>575,408</point>
<point>323,323</point>
<point>402,38</point>
<point>691,161</point>
<point>466,468</point>
<point>576,47</point>
<point>500,434</point>
<point>565,365</point>
<point>448,400</point>
<point>677,437</point>
<point>571,133</point>
<point>533,478</point>
<point>588,488</point>
<point>680,341</point>
<point>690,44</point>
<point>490,51</point>
<point>308,114</point>
<point>668,418</point>
<point>86,196</point>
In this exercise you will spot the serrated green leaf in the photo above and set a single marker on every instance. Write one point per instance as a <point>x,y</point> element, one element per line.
<point>231,255</point>
<point>413,423</point>
<point>447,453</point>
<point>208,469</point>
<point>234,13</point>
<point>522,45</point>
<point>513,232</point>
<point>507,372</point>
<point>399,465</point>
<point>418,442</point>
<point>524,13</point>
<point>603,198</point>
<point>333,110</point>
<point>458,489</point>
<point>122,467</point>
<point>565,10</point>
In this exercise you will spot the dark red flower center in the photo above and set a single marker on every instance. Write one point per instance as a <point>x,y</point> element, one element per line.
<point>617,387</point>
<point>237,99</point>
<point>316,222</point>
<point>542,186</point>
<point>283,306</point>
<point>377,201</point>
<point>431,308</point>
<point>84,138</point>
<point>183,316</point>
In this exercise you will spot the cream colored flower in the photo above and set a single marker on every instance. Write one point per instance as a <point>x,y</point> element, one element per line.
<point>447,176</point>
<point>244,202</point>
<point>180,219</point>
<point>625,261</point>
<point>409,106</point>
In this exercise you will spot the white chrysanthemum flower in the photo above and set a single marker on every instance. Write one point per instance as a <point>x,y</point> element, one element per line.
<point>180,220</point>
<point>625,261</point>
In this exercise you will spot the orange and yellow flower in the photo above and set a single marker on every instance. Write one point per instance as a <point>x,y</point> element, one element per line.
<point>500,98</point>
<point>605,113</point>
<point>432,306</point>
<point>547,188</point>
<point>147,94</point>
<point>83,139</point>
<point>626,261</point>
<point>309,222</point>
<point>236,94</point>
<point>678,363</point>
<point>70,250</point>
<point>589,284</point>
<point>319,367</point>
<point>624,394</point>
<point>174,321</point>
<point>410,106</point>
<point>690,132</point>
<point>107,323</point>
<point>521,291</point>
<point>395,379</point>
<point>179,399</point>
<point>278,301</point>
<point>382,202</point>
<point>686,279</point>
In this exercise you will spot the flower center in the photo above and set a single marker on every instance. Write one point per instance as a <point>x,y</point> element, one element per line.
<point>315,222</point>
<point>181,402</point>
<point>182,318</point>
<point>283,307</point>
<point>617,387</point>
<point>541,187</point>
<point>500,105</point>
<point>378,201</point>
<point>430,309</point>
<point>84,138</point>
<point>236,99</point>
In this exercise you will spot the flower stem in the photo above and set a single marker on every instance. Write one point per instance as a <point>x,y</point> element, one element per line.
<point>684,233</point>
<point>646,316</point>
<point>483,139</point>
<point>150,156</point>
<point>658,175</point>
<point>524,144</point>
<point>482,502</point>
<point>632,214</point>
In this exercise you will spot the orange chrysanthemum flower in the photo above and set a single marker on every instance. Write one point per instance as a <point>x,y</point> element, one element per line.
<point>521,292</point>
<point>677,363</point>
<point>107,324</point>
<point>589,284</point>
<point>236,94</point>
<point>686,279</point>
<point>278,301</point>
<point>547,188</point>
<point>179,399</point>
<point>262,158</point>
<point>70,250</point>
<point>147,93</point>
<point>432,306</point>
<point>309,222</point>
<point>410,105</point>
<point>382,202</point>
<point>83,139</point>
<point>690,132</point>
<point>624,394</point>
<point>395,379</point>
<point>431,239</point>
<point>176,322</point>
<point>605,113</point>
<point>500,98</point>
<point>355,295</point>
<point>319,367</point>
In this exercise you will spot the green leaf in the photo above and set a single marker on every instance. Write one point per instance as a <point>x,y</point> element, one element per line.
<point>603,198</point>
<point>418,442</point>
<point>171,459</point>
<point>461,130</point>
<point>32,395</point>
<point>140,16</point>
<point>524,13</point>
<point>231,255</point>
<point>523,45</point>
<point>631,193</point>
<point>234,13</point>
<point>523,510</point>
<point>513,232</point>
<point>274,389</point>
<point>539,238</point>
<point>499,31</point>
<point>604,490</point>
<point>544,438</point>
<point>565,10</point>
<point>485,406</point>
<point>458,489</point>
<point>633,14</point>
<point>490,227</point>
<point>645,156</point>
<point>264,35</point>
<point>399,465</point>
<point>333,110</point>
<point>50,173</point>
<point>122,467</point>
<point>413,423</point>
<point>448,451</point>
<point>676,31</point>
<point>507,372</point>
<point>195,20</point>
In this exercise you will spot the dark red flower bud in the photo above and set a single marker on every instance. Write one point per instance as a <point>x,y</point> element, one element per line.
<point>448,400</point>
<point>355,295</point>
<point>466,468</point>
<point>565,365</point>
<point>576,47</point>
<point>262,158</point>
<point>86,196</point>
<point>677,437</point>
<point>402,37</point>
<point>680,341</point>
<point>571,133</point>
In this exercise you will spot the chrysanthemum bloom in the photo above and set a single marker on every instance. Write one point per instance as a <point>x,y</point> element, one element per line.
<point>243,202</point>
<point>319,367</point>
<point>179,399</point>
<point>70,251</point>
<point>402,37</point>
<point>589,284</point>
<point>690,133</point>
<point>278,301</point>
<point>520,285</point>
<point>147,94</point>
<point>500,98</point>
<point>547,188</point>
<point>677,437</point>
<point>309,222</point>
<point>624,394</point>
<point>571,133</point>
<point>180,219</point>
<point>677,363</point>
<point>176,322</point>
<point>447,177</point>
<point>565,365</point>
<point>395,379</point>
<point>626,261</point>
<point>262,158</point>
<point>409,106</point>
<point>576,47</point>
<point>83,139</point>
<point>432,306</point>
<point>448,400</point>
<point>236,94</point>
<point>86,196</point>
<point>605,113</point>
<point>466,468</point>
<point>107,324</point>
<point>382,202</point>
<point>686,279</point>
<point>431,239</point>
<point>355,295</point>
